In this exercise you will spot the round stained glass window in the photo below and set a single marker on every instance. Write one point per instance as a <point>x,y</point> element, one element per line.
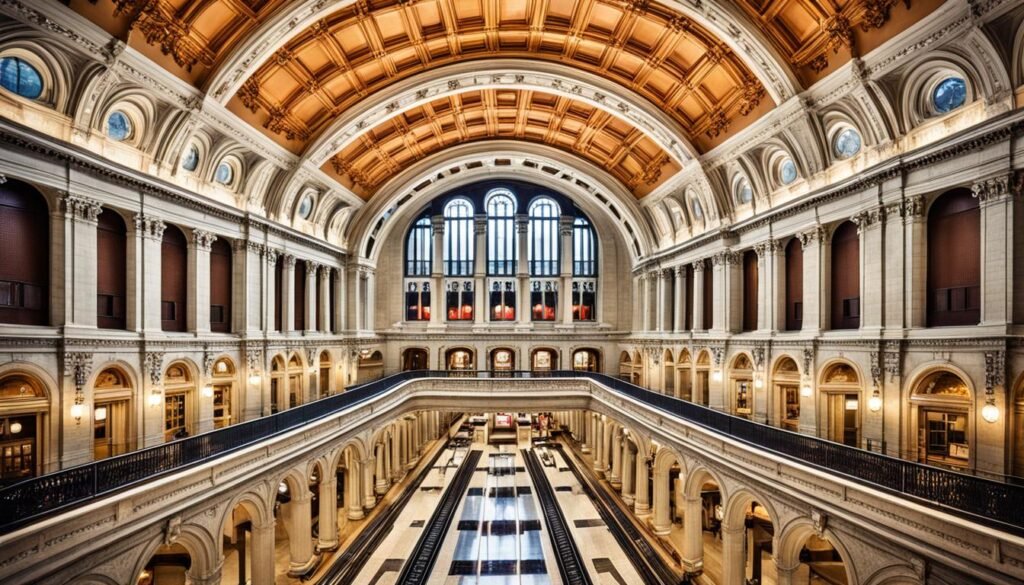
<point>224,174</point>
<point>949,94</point>
<point>787,171</point>
<point>21,78</point>
<point>743,192</point>
<point>306,207</point>
<point>847,143</point>
<point>190,161</point>
<point>119,126</point>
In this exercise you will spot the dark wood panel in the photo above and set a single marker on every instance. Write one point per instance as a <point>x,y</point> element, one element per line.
<point>173,280</point>
<point>25,257</point>
<point>689,297</point>
<point>709,295</point>
<point>845,299</point>
<point>749,290</point>
<point>300,295</point>
<point>331,287</point>
<point>278,292</point>
<point>794,285</point>
<point>954,260</point>
<point>220,286</point>
<point>111,271</point>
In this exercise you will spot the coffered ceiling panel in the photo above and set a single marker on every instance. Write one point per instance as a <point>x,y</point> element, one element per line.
<point>644,46</point>
<point>817,36</point>
<point>570,125</point>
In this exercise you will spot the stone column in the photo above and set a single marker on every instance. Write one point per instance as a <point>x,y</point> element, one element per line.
<point>732,268</point>
<point>647,303</point>
<point>437,272</point>
<point>199,281</point>
<point>815,303</point>
<point>300,533</point>
<point>662,522</point>
<point>637,298</point>
<point>693,535</point>
<point>641,504</point>
<point>150,266</point>
<point>679,300</point>
<point>247,286</point>
<point>699,274</point>
<point>338,282</point>
<point>270,290</point>
<point>288,294</point>
<point>353,499</point>
<point>312,268</point>
<point>871,270</point>
<point>565,224</point>
<point>615,478</point>
<point>396,454</point>
<point>588,432</point>
<point>765,271</point>
<point>263,556</point>
<point>628,472</point>
<point>997,233</point>
<point>523,319</point>
<point>81,216</point>
<point>324,308</point>
<point>369,500</point>
<point>328,532</point>
<point>382,484</point>
<point>734,562</point>
<point>599,444</point>
<point>480,309</point>
<point>777,296</point>
<point>664,313</point>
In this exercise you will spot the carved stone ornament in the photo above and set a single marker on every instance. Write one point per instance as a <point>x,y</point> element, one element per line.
<point>172,531</point>
<point>876,368</point>
<point>80,208</point>
<point>991,189</point>
<point>79,366</point>
<point>253,359</point>
<point>995,369</point>
<point>815,234</point>
<point>808,360</point>
<point>208,362</point>
<point>311,356</point>
<point>150,227</point>
<point>820,520</point>
<point>154,362</point>
<point>698,265</point>
<point>913,207</point>
<point>893,360</point>
<point>203,240</point>
<point>718,353</point>
<point>758,354</point>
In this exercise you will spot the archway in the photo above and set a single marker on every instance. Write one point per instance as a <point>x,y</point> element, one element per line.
<point>278,383</point>
<point>741,384</point>
<point>625,366</point>
<point>668,365</point>
<point>371,367</point>
<point>748,528</point>
<point>459,359</point>
<point>326,380</point>
<point>111,270</point>
<point>169,564</point>
<point>24,410</point>
<point>702,518</point>
<point>667,470</point>
<point>786,395</point>
<point>225,399</point>
<point>293,510</point>
<point>940,419</point>
<point>702,378</point>
<point>809,556</point>
<point>247,543</point>
<point>296,381</point>
<point>839,401</point>
<point>639,376</point>
<point>684,377</point>
<point>180,408</point>
<point>415,358</point>
<point>112,413</point>
<point>544,360</point>
<point>586,360</point>
<point>25,263</point>
<point>503,361</point>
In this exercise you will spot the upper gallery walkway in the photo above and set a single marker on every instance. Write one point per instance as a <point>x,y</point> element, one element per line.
<point>58,526</point>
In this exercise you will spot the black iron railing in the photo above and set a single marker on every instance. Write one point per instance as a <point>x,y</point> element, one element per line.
<point>980,499</point>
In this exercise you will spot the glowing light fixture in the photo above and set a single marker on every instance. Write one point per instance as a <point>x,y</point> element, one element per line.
<point>990,412</point>
<point>15,427</point>
<point>805,390</point>
<point>77,410</point>
<point>208,391</point>
<point>716,376</point>
<point>875,402</point>
<point>758,383</point>
<point>255,378</point>
<point>155,397</point>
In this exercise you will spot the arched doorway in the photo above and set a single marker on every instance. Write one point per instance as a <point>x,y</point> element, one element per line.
<point>668,368</point>
<point>25,262</point>
<point>626,367</point>
<point>278,383</point>
<point>169,564</point>
<point>845,268</point>
<point>941,405</point>
<point>586,360</point>
<point>173,280</point>
<point>638,369</point>
<point>702,378</point>
<point>325,378</point>
<point>747,531</point>
<point>741,383</point>
<point>24,409</point>
<point>415,358</point>
<point>503,361</point>
<point>296,386</point>
<point>459,359</point>
<point>684,377</point>
<point>839,401</point>
<point>544,360</point>
<point>112,414</point>
<point>179,402</point>
<point>247,543</point>
<point>225,400</point>
<point>371,367</point>
<point>813,556</point>
<point>786,393</point>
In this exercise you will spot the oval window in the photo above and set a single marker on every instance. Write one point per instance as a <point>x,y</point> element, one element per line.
<point>119,126</point>
<point>19,77</point>
<point>847,143</point>
<point>743,192</point>
<point>306,207</point>
<point>787,171</point>
<point>224,174</point>
<point>190,161</point>
<point>949,94</point>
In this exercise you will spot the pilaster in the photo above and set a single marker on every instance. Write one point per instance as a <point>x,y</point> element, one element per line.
<point>199,281</point>
<point>81,216</point>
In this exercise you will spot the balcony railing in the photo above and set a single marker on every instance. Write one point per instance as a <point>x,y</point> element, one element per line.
<point>990,502</point>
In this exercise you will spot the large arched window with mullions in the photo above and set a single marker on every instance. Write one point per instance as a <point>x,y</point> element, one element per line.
<point>458,238</point>
<point>501,236</point>
<point>584,271</point>
<point>418,249</point>
<point>543,237</point>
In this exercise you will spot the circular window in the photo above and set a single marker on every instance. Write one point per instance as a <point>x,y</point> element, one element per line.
<point>787,171</point>
<point>847,143</point>
<point>190,161</point>
<point>743,191</point>
<point>21,78</point>
<point>949,94</point>
<point>225,174</point>
<point>119,126</point>
<point>306,207</point>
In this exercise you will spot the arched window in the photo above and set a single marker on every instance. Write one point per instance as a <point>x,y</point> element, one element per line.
<point>220,286</point>
<point>174,280</point>
<point>458,238</point>
<point>418,249</point>
<point>111,275</point>
<point>17,76</point>
<point>543,237</point>
<point>846,277</point>
<point>954,260</point>
<point>25,261</point>
<point>584,249</point>
<point>501,236</point>
<point>794,285</point>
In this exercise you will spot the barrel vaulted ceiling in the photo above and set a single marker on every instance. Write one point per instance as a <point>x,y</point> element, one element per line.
<point>711,68</point>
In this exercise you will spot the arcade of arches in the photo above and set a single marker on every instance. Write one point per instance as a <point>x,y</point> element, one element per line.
<point>216,216</point>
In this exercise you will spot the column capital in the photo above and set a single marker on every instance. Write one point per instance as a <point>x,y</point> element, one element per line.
<point>809,237</point>
<point>698,265</point>
<point>866,219</point>
<point>270,254</point>
<point>479,224</point>
<point>289,261</point>
<point>150,227</point>
<point>312,267</point>
<point>79,208</point>
<point>203,239</point>
<point>679,271</point>
<point>995,189</point>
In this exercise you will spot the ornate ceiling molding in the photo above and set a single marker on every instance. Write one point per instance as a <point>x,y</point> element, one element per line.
<point>721,19</point>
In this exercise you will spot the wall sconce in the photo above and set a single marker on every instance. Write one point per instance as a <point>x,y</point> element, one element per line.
<point>15,427</point>
<point>716,376</point>
<point>100,414</point>
<point>255,378</point>
<point>990,412</point>
<point>758,382</point>
<point>78,408</point>
<point>207,391</point>
<point>875,402</point>
<point>155,397</point>
<point>805,390</point>
<point>364,353</point>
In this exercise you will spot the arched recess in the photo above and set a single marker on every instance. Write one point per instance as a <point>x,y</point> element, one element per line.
<point>954,260</point>
<point>845,277</point>
<point>544,359</point>
<point>668,471</point>
<point>326,377</point>
<point>181,406</point>
<point>749,525</point>
<point>459,359</point>
<point>586,360</point>
<point>741,386</point>
<point>684,375</point>
<point>221,277</point>
<point>286,382</point>
<point>415,358</point>
<point>785,397</point>
<point>501,360</point>
<point>25,262</point>
<point>702,378</point>
<point>24,420</point>
<point>370,367</point>
<point>192,554</point>
<point>941,429</point>
<point>794,283</point>
<point>247,537</point>
<point>173,280</point>
<point>838,403</point>
<point>113,393</point>
<point>227,398</point>
<point>111,270</point>
<point>812,554</point>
